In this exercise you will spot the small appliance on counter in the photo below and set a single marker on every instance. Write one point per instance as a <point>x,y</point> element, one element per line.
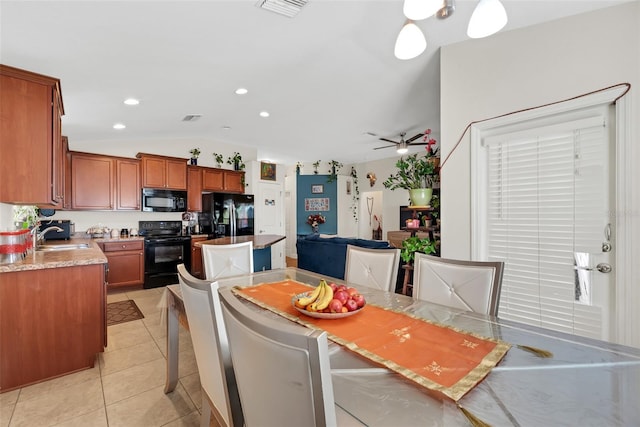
<point>14,245</point>
<point>65,224</point>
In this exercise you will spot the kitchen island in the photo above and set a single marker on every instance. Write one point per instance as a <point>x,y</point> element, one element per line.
<point>261,247</point>
<point>52,315</point>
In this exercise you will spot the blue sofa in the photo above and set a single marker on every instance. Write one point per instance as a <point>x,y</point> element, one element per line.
<point>327,256</point>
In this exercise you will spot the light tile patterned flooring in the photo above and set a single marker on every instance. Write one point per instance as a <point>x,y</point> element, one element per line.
<point>125,387</point>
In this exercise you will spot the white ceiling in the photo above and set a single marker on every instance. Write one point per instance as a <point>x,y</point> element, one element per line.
<point>327,76</point>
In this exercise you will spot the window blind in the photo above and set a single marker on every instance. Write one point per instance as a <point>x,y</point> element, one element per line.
<point>545,199</point>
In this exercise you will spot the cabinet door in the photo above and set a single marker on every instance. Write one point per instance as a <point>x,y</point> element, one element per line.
<point>212,179</point>
<point>234,181</point>
<point>66,168</point>
<point>153,172</point>
<point>196,259</point>
<point>176,175</point>
<point>27,126</point>
<point>92,182</point>
<point>125,268</point>
<point>194,188</point>
<point>128,184</point>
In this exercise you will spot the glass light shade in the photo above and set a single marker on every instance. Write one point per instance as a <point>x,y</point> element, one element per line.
<point>488,18</point>
<point>410,42</point>
<point>420,9</point>
<point>402,148</point>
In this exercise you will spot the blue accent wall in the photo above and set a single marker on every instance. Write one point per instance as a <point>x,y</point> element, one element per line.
<point>303,186</point>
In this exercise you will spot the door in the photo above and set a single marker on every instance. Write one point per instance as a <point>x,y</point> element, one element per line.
<point>269,219</point>
<point>544,198</point>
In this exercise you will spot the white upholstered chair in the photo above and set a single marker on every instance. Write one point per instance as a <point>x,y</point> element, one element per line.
<point>375,268</point>
<point>227,260</point>
<point>282,369</point>
<point>468,285</point>
<point>211,348</point>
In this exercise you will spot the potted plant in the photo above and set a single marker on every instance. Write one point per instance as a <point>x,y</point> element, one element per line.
<point>315,167</point>
<point>415,174</point>
<point>414,244</point>
<point>218,159</point>
<point>195,152</point>
<point>236,161</point>
<point>333,172</point>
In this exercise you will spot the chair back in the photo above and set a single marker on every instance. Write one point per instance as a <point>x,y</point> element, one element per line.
<point>282,369</point>
<point>375,268</point>
<point>468,285</point>
<point>221,261</point>
<point>211,347</point>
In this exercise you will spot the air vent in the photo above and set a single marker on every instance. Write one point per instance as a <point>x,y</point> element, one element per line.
<point>191,117</point>
<point>288,8</point>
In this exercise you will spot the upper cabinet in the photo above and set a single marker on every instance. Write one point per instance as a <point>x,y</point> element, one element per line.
<point>194,194</point>
<point>163,172</point>
<point>234,181</point>
<point>31,112</point>
<point>104,182</point>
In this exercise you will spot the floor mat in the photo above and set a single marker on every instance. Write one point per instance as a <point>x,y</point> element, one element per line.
<point>122,311</point>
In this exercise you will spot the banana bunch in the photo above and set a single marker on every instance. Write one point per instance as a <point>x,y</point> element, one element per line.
<point>318,299</point>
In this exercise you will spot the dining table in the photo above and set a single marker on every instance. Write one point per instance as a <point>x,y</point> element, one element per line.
<point>543,377</point>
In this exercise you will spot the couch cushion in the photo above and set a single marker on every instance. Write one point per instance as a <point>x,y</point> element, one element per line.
<point>328,255</point>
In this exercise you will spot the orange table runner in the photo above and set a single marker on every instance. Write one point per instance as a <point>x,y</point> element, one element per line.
<point>440,358</point>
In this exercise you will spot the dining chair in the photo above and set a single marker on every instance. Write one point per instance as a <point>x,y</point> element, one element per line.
<point>221,261</point>
<point>211,347</point>
<point>374,268</point>
<point>469,285</point>
<point>282,369</point>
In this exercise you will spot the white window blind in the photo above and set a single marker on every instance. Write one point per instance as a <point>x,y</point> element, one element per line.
<point>545,199</point>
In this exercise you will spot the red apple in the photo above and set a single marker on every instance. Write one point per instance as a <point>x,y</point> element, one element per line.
<point>342,296</point>
<point>352,291</point>
<point>335,306</point>
<point>359,299</point>
<point>351,305</point>
<point>333,286</point>
<point>342,287</point>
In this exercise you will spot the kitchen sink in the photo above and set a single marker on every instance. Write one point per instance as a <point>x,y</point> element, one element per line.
<point>62,247</point>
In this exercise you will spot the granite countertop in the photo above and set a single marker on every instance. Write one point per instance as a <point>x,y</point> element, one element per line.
<point>40,260</point>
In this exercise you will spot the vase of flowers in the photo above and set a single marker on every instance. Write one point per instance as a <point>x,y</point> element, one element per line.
<point>315,220</point>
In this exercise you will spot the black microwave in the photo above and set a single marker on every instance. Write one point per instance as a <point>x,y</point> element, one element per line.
<point>155,200</point>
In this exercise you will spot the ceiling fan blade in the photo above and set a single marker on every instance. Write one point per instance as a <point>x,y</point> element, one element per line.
<point>413,138</point>
<point>419,143</point>
<point>388,140</point>
<point>386,146</point>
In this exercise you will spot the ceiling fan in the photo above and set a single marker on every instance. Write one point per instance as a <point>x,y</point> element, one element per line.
<point>402,146</point>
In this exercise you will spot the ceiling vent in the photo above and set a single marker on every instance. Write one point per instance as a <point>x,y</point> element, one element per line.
<point>288,8</point>
<point>191,117</point>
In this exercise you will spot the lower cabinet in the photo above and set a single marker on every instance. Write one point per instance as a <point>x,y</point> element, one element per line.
<point>197,269</point>
<point>126,263</point>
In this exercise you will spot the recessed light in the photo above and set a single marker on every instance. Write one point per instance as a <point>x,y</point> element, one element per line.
<point>264,114</point>
<point>131,101</point>
<point>241,91</point>
<point>226,127</point>
<point>119,126</point>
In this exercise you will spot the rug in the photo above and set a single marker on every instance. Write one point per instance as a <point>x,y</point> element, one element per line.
<point>122,311</point>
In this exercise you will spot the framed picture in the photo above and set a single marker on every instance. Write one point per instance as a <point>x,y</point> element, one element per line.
<point>268,171</point>
<point>317,189</point>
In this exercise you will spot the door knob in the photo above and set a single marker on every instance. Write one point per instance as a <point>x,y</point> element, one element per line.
<point>602,268</point>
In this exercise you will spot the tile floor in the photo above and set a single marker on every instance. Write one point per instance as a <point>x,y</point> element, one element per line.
<point>125,388</point>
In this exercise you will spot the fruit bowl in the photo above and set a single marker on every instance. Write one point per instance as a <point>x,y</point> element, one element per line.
<point>320,315</point>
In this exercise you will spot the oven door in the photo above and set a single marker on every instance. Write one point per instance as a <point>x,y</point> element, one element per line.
<point>162,257</point>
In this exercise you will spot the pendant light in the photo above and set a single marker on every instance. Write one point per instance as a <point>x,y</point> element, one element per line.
<point>488,18</point>
<point>402,148</point>
<point>417,10</point>
<point>410,42</point>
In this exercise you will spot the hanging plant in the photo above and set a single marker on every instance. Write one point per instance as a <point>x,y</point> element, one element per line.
<point>315,167</point>
<point>333,172</point>
<point>355,197</point>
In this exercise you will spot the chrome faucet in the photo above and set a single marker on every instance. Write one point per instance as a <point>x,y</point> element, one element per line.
<point>39,236</point>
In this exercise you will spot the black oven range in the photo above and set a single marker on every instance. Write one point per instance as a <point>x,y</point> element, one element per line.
<point>164,248</point>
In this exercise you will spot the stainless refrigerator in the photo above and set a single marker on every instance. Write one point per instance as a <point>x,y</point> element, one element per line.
<point>230,214</point>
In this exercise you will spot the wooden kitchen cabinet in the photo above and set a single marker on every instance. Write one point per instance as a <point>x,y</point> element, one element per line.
<point>31,112</point>
<point>233,181</point>
<point>127,184</point>
<point>163,172</point>
<point>125,262</point>
<point>194,192</point>
<point>197,269</point>
<point>52,322</point>
<point>92,181</point>
<point>212,179</point>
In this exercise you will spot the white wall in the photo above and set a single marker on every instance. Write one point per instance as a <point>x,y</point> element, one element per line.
<point>527,68</point>
<point>522,69</point>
